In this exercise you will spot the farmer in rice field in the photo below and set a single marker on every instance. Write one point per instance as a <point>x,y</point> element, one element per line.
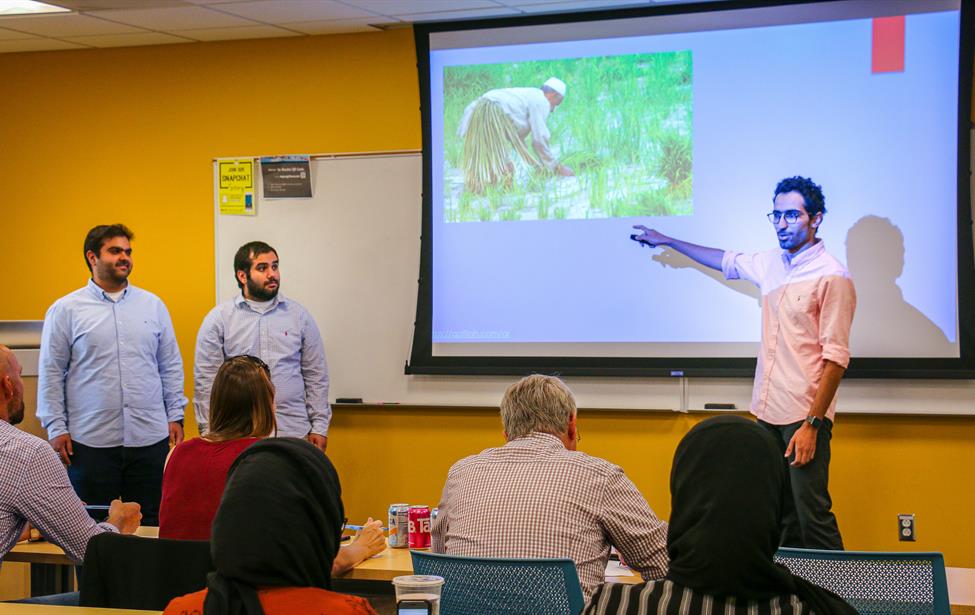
<point>500,120</point>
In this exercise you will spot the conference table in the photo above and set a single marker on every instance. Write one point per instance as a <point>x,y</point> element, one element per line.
<point>53,572</point>
<point>392,563</point>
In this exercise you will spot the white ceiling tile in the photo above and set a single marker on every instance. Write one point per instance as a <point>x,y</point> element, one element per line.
<point>211,1</point>
<point>128,40</point>
<point>85,6</point>
<point>461,15</point>
<point>412,7</point>
<point>230,34</point>
<point>607,4</point>
<point>278,11</point>
<point>577,5</point>
<point>59,26</point>
<point>175,18</point>
<point>36,44</point>
<point>340,25</point>
<point>10,35</point>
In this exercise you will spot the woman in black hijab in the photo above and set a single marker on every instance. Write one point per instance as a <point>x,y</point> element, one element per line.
<point>728,486</point>
<point>275,536</point>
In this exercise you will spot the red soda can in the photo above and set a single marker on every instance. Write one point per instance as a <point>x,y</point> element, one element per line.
<point>420,527</point>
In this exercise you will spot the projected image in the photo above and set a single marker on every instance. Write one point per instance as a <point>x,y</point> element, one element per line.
<point>582,138</point>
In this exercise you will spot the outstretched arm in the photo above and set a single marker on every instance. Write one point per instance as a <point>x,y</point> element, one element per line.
<point>709,257</point>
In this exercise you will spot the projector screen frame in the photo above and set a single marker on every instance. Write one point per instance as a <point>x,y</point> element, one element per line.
<point>423,361</point>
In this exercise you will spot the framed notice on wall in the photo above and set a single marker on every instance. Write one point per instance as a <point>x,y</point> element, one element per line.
<point>286,177</point>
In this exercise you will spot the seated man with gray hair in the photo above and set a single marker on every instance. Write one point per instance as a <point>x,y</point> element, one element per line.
<point>538,497</point>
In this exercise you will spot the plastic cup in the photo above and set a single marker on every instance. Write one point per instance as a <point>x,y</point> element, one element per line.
<point>420,587</point>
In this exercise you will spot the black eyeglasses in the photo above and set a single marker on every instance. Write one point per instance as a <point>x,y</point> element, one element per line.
<point>791,217</point>
<point>255,360</point>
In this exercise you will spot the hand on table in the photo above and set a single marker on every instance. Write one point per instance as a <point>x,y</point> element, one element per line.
<point>126,516</point>
<point>368,542</point>
<point>371,538</point>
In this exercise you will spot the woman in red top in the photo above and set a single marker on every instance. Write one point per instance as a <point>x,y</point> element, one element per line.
<point>275,535</point>
<point>241,412</point>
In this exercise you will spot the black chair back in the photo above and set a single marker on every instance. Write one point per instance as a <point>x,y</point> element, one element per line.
<point>132,572</point>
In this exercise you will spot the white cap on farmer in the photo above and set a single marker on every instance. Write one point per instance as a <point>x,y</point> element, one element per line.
<point>556,84</point>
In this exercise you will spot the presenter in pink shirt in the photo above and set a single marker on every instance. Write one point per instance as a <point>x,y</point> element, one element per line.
<point>808,302</point>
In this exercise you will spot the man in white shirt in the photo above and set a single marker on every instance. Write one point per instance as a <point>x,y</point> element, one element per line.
<point>510,114</point>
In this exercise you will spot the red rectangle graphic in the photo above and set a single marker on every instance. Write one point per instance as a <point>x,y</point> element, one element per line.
<point>888,44</point>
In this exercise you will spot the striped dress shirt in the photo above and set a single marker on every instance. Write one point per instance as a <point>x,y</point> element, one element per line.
<point>665,597</point>
<point>533,498</point>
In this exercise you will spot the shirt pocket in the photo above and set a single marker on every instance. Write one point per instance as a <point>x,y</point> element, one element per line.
<point>801,306</point>
<point>287,345</point>
<point>146,334</point>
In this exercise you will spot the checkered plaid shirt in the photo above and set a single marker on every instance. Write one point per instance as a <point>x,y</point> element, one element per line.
<point>533,498</point>
<point>34,487</point>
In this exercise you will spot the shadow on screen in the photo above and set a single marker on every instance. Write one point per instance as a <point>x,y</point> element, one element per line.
<point>885,325</point>
<point>673,258</point>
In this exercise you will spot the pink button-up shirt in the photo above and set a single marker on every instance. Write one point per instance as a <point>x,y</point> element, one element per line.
<point>808,302</point>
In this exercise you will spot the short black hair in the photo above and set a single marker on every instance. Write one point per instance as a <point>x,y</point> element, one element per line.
<point>97,237</point>
<point>245,257</point>
<point>811,192</point>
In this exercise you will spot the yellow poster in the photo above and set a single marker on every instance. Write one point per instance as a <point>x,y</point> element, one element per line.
<point>235,191</point>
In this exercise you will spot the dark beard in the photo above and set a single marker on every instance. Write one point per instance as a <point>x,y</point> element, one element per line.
<point>15,417</point>
<point>258,293</point>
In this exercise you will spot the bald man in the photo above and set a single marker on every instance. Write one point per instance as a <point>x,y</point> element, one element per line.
<point>34,485</point>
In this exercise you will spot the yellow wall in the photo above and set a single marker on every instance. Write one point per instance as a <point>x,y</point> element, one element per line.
<point>127,135</point>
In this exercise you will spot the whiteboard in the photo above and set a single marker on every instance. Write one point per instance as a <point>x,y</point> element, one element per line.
<point>351,255</point>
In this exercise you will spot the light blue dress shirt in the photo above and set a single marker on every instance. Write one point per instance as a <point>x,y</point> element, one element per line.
<point>110,372</point>
<point>287,339</point>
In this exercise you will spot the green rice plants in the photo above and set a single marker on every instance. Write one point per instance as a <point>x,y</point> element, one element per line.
<point>544,205</point>
<point>625,128</point>
<point>464,213</point>
<point>510,215</point>
<point>674,161</point>
<point>598,182</point>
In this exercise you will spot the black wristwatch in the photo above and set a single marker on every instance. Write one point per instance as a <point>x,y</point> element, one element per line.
<point>814,421</point>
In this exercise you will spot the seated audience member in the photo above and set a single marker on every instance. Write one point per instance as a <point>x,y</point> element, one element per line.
<point>537,497</point>
<point>241,413</point>
<point>727,487</point>
<point>34,486</point>
<point>274,537</point>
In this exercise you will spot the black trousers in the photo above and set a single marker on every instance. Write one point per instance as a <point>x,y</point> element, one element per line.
<point>807,520</point>
<point>134,474</point>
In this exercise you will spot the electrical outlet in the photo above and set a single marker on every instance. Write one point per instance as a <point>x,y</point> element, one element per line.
<point>905,528</point>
